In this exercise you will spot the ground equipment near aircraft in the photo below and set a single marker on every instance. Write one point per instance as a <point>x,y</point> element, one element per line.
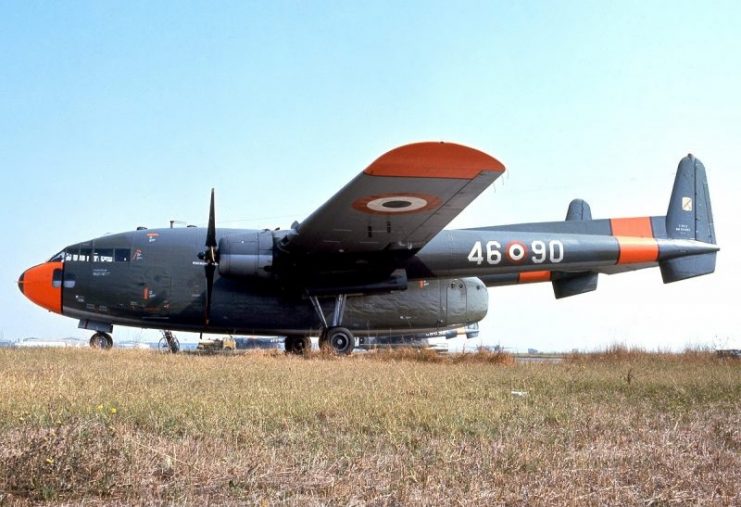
<point>373,260</point>
<point>213,345</point>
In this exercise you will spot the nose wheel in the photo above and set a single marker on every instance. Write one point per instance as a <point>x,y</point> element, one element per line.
<point>169,343</point>
<point>101,341</point>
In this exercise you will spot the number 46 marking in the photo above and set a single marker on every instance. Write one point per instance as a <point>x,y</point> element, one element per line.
<point>541,252</point>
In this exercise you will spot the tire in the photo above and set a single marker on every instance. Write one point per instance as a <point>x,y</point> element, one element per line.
<point>340,340</point>
<point>296,344</point>
<point>101,341</point>
<point>324,342</point>
<point>164,345</point>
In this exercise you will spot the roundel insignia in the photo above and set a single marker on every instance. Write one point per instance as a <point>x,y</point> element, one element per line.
<point>516,251</point>
<point>396,203</point>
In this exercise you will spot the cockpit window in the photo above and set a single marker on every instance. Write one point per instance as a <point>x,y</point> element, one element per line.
<point>103,255</point>
<point>59,257</point>
<point>94,255</point>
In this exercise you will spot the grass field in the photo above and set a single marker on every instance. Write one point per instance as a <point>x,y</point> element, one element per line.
<point>132,427</point>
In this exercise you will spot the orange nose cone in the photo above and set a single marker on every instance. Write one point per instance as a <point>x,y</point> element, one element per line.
<point>42,284</point>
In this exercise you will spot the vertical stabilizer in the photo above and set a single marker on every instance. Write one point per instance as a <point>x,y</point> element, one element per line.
<point>689,217</point>
<point>579,210</point>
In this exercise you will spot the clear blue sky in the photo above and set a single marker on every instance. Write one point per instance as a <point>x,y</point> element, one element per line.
<point>118,114</point>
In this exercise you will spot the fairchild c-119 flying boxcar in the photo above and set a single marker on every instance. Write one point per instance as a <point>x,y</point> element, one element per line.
<point>373,260</point>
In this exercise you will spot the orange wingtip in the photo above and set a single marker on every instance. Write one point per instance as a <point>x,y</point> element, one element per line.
<point>434,160</point>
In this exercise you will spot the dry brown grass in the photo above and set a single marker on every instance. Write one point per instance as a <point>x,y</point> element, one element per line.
<point>130,427</point>
<point>624,353</point>
<point>425,355</point>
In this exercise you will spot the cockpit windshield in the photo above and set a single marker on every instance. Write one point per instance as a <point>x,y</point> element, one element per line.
<point>58,257</point>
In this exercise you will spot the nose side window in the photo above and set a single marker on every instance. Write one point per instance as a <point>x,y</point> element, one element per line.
<point>56,278</point>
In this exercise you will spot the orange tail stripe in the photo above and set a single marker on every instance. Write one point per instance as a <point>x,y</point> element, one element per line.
<point>534,276</point>
<point>635,240</point>
<point>637,250</point>
<point>634,227</point>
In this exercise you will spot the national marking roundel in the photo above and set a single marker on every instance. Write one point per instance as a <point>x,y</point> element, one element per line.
<point>396,203</point>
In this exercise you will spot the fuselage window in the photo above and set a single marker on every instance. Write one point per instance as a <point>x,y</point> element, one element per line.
<point>84,255</point>
<point>69,280</point>
<point>103,255</point>
<point>122,254</point>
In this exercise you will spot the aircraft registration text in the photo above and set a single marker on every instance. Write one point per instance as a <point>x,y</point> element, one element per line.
<point>538,252</point>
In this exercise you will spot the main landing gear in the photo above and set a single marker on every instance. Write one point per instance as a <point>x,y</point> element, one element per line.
<point>334,337</point>
<point>297,344</point>
<point>337,339</point>
<point>101,340</point>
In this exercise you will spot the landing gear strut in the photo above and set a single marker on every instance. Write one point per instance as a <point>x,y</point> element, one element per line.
<point>169,343</point>
<point>297,344</point>
<point>335,338</point>
<point>101,340</point>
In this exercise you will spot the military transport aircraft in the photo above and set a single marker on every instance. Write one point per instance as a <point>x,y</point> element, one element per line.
<point>373,260</point>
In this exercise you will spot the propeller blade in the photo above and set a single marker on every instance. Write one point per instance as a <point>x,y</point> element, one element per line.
<point>210,269</point>
<point>211,234</point>
<point>211,256</point>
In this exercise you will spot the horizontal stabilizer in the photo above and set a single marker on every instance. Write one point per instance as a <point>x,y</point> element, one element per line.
<point>579,210</point>
<point>572,285</point>
<point>673,270</point>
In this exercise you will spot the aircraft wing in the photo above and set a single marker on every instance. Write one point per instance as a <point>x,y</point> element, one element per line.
<point>400,202</point>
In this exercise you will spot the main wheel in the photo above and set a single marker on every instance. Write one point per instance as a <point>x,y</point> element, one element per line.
<point>296,344</point>
<point>340,340</point>
<point>101,341</point>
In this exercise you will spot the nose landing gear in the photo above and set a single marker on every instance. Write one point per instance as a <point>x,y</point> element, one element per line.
<point>101,340</point>
<point>169,343</point>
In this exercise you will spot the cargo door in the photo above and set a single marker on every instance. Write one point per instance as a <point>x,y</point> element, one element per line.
<point>456,301</point>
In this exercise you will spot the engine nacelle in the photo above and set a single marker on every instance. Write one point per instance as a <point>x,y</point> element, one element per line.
<point>248,254</point>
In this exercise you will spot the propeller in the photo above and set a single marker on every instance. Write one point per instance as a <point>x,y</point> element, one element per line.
<point>211,258</point>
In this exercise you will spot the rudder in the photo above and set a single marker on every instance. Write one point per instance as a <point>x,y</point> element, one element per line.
<point>689,216</point>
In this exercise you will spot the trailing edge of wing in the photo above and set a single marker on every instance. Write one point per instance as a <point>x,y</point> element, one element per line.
<point>400,202</point>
